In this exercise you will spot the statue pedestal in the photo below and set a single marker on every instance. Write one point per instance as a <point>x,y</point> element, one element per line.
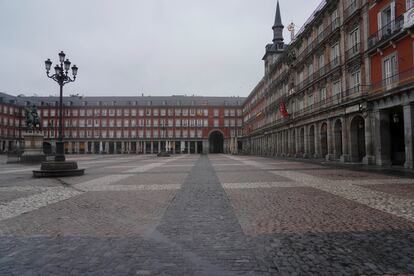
<point>33,148</point>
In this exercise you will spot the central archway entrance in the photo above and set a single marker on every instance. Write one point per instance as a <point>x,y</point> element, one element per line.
<point>216,142</point>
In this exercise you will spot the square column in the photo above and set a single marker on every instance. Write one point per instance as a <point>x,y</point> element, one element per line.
<point>408,135</point>
<point>369,157</point>
<point>345,131</point>
<point>382,138</point>
<point>330,155</point>
<point>318,150</point>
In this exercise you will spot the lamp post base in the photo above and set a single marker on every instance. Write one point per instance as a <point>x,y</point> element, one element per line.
<point>60,151</point>
<point>58,169</point>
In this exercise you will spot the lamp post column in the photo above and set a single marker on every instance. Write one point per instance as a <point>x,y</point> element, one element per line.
<point>60,151</point>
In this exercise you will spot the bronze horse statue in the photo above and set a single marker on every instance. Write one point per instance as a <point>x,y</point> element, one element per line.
<point>32,118</point>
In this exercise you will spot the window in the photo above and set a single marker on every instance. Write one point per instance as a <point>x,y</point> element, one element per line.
<point>409,4</point>
<point>206,112</point>
<point>389,68</point>
<point>354,38</point>
<point>310,70</point>
<point>310,99</point>
<point>356,79</point>
<point>322,93</point>
<point>336,88</point>
<point>334,18</point>
<point>216,123</point>
<point>321,61</point>
<point>335,54</point>
<point>216,112</point>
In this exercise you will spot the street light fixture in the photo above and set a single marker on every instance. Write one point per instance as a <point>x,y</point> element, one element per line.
<point>61,77</point>
<point>60,167</point>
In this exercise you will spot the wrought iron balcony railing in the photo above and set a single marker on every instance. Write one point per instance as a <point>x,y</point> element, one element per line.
<point>386,32</point>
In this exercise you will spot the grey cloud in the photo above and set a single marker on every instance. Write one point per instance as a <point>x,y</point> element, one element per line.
<point>129,47</point>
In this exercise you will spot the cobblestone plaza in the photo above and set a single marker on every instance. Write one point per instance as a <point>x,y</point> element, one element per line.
<point>206,215</point>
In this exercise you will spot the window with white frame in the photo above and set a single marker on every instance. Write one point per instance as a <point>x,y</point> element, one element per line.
<point>335,53</point>
<point>356,78</point>
<point>389,68</point>
<point>354,39</point>
<point>322,93</point>
<point>336,87</point>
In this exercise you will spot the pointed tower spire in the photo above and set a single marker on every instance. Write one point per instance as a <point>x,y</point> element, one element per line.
<point>278,26</point>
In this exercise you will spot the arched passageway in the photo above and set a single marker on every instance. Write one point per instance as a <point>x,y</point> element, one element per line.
<point>338,138</point>
<point>312,140</point>
<point>216,142</point>
<point>357,139</point>
<point>324,140</point>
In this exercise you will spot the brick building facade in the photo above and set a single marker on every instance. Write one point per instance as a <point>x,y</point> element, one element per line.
<point>179,124</point>
<point>345,82</point>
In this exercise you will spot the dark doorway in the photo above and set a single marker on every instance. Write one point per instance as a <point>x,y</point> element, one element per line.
<point>357,139</point>
<point>199,147</point>
<point>97,148</point>
<point>397,136</point>
<point>177,147</point>
<point>111,147</point>
<point>324,140</point>
<point>216,141</point>
<point>133,147</point>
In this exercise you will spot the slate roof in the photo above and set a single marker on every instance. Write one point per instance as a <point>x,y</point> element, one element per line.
<point>175,100</point>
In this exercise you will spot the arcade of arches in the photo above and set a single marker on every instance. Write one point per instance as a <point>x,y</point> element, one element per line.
<point>381,137</point>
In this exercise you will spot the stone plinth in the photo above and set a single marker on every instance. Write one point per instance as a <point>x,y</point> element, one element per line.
<point>58,169</point>
<point>33,147</point>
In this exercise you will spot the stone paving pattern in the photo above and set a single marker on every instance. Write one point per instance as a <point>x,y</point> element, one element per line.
<point>205,215</point>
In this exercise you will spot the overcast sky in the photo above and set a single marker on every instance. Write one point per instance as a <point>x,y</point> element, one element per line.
<point>129,47</point>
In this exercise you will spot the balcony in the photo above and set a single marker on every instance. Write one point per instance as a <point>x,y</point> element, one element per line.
<point>387,32</point>
<point>353,51</point>
<point>340,98</point>
<point>318,74</point>
<point>334,25</point>
<point>394,81</point>
<point>352,9</point>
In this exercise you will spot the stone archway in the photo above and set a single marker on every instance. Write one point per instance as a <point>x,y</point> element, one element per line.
<point>357,139</point>
<point>338,138</point>
<point>324,140</point>
<point>216,142</point>
<point>312,140</point>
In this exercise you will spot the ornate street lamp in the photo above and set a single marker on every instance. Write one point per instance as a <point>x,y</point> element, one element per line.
<point>61,77</point>
<point>59,167</point>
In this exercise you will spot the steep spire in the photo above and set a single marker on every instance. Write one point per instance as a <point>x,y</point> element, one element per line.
<point>278,26</point>
<point>278,18</point>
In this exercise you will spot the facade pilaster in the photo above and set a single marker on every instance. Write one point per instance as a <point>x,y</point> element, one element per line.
<point>408,134</point>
